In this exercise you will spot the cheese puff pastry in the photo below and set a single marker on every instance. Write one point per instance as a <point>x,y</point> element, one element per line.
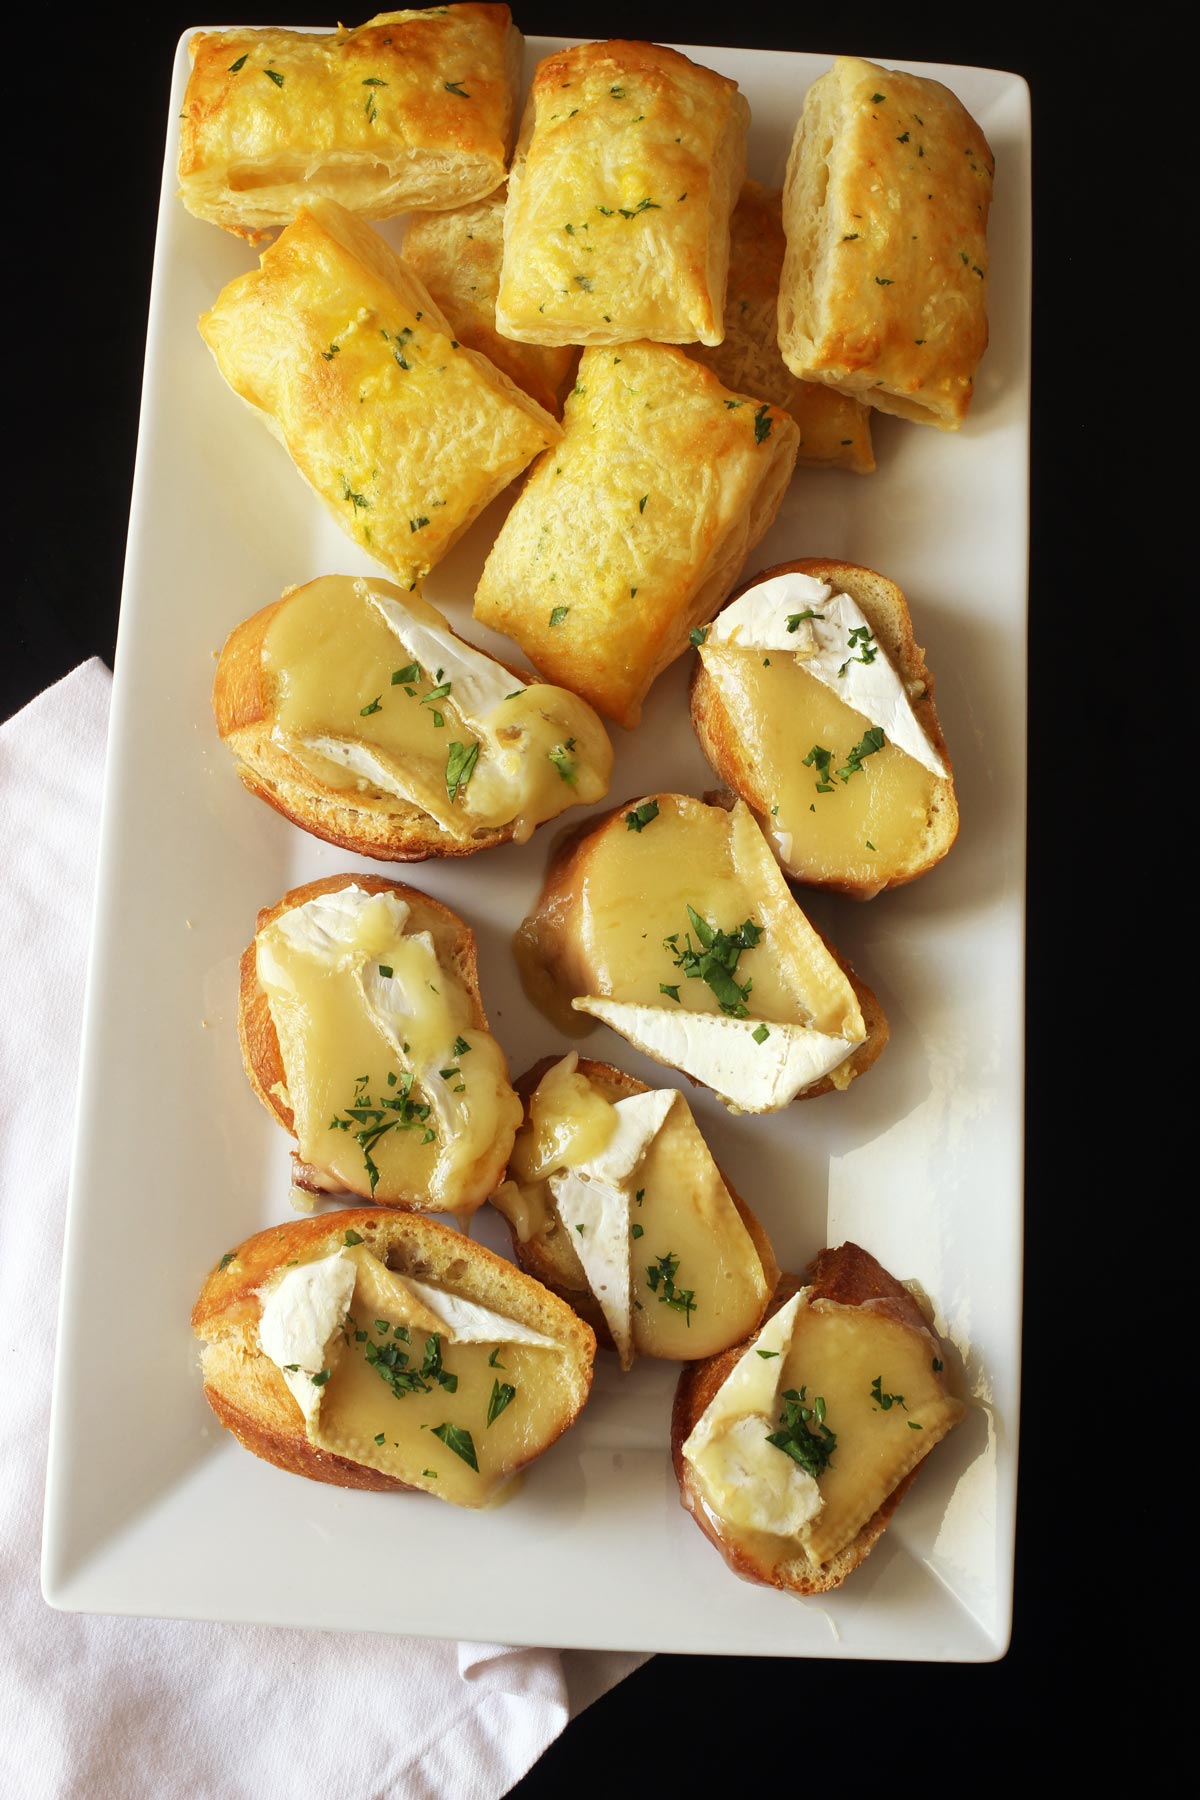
<point>402,431</point>
<point>884,288</point>
<point>626,170</point>
<point>835,431</point>
<point>457,255</point>
<point>632,531</point>
<point>411,110</point>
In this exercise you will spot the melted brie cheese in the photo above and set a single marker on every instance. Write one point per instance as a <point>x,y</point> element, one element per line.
<point>649,1199</point>
<point>884,1401</point>
<point>333,654</point>
<point>799,669</point>
<point>376,1031</point>
<point>366,1331</point>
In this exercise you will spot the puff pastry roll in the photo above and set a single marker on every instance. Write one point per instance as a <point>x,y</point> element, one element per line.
<point>403,432</point>
<point>884,289</point>
<point>413,109</point>
<point>835,431</point>
<point>626,170</point>
<point>457,255</point>
<point>631,532</point>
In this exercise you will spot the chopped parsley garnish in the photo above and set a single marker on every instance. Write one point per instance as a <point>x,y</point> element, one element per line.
<point>431,1367</point>
<point>820,759</point>
<point>914,1426</point>
<point>391,1111</point>
<point>884,281</point>
<point>812,1449</point>
<point>460,766</point>
<point>794,620</point>
<point>642,206</point>
<point>761,1034</point>
<point>640,817</point>
<point>717,959</point>
<point>585,282</point>
<point>871,741</point>
<point>461,1442</point>
<point>236,67</point>
<point>671,990</point>
<point>417,524</point>
<point>351,1238</point>
<point>660,1279</point>
<point>461,1046</point>
<point>697,635</point>
<point>762,423</point>
<point>876,98</point>
<point>503,1394</point>
<point>387,972</point>
<point>558,614</point>
<point>640,1195</point>
<point>333,350</point>
<point>380,1436</point>
<point>938,1365</point>
<point>406,676</point>
<point>862,641</point>
<point>494,1359</point>
<point>849,237</point>
<point>274,75</point>
<point>229,1256</point>
<point>375,706</point>
<point>637,1231</point>
<point>642,503</point>
<point>374,81</point>
<point>766,1354</point>
<point>561,758</point>
<point>452,87</point>
<point>390,1363</point>
<point>320,1379</point>
<point>885,1402</point>
<point>357,501</point>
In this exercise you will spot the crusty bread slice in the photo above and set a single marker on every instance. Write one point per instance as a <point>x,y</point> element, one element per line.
<point>261,1055</point>
<point>552,1258</point>
<point>244,704</point>
<point>723,744</point>
<point>247,1391</point>
<point>849,1275</point>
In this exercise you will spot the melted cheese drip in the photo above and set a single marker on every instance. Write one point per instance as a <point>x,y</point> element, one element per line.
<point>672,1203</point>
<point>330,655</point>
<point>357,1405</point>
<point>340,1019</point>
<point>876,820</point>
<point>836,1352</point>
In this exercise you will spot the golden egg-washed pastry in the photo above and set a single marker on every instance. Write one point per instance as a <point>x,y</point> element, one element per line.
<point>457,256</point>
<point>413,109</point>
<point>884,288</point>
<point>835,431</point>
<point>357,713</point>
<point>812,701</point>
<point>614,1201</point>
<point>363,1033</point>
<point>402,431</point>
<point>670,922</point>
<point>375,1349</point>
<point>626,170</point>
<point>630,533</point>
<point>793,1450</point>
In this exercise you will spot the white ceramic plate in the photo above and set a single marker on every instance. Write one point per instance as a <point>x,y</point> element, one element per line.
<point>152,1508</point>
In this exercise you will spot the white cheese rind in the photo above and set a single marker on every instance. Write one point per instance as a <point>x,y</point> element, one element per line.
<point>469,1323</point>
<point>324,927</point>
<point>758,621</point>
<point>743,1479</point>
<point>722,1052</point>
<point>302,1310</point>
<point>479,684</point>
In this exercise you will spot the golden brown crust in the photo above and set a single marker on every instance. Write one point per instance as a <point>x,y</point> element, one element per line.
<point>851,1276</point>
<point>587,259</point>
<point>248,1393</point>
<point>835,430</point>
<point>884,287</point>
<point>412,109</point>
<point>537,1258</point>
<point>261,1056</point>
<point>721,739</point>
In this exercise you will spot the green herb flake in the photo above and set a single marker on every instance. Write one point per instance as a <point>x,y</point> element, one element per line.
<point>766,1354</point>
<point>406,676</point>
<point>877,98</point>
<point>640,1195</point>
<point>761,1034</point>
<point>229,1256</point>
<point>762,423</point>
<point>697,635</point>
<point>453,87</point>
<point>460,766</point>
<point>850,237</point>
<point>885,1402</point>
<point>794,620</point>
<point>913,1426</point>
<point>376,705</point>
<point>884,281</point>
<point>660,1279</point>
<point>351,1238</point>
<point>716,960</point>
<point>418,524</point>
<point>860,640</point>
<point>869,744</point>
<point>494,1359</point>
<point>235,68</point>
<point>585,282</point>
<point>642,503</point>
<point>811,1449</point>
<point>274,75</point>
<point>320,1379</point>
<point>558,614</point>
<point>938,1365</point>
<point>566,765</point>
<point>503,1394</point>
<point>461,1442</point>
<point>374,81</point>
<point>581,1229</point>
<point>641,816</point>
<point>380,1436</point>
<point>637,1231</point>
<point>821,759</point>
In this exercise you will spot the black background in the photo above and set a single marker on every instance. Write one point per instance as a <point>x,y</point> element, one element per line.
<point>72,378</point>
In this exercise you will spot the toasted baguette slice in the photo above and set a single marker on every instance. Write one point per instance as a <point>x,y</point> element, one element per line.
<point>588,947</point>
<point>263,1059</point>
<point>851,1277</point>
<point>543,1247</point>
<point>250,1396</point>
<point>728,743</point>
<point>337,630</point>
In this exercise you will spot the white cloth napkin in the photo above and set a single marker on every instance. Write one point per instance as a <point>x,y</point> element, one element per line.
<point>130,1709</point>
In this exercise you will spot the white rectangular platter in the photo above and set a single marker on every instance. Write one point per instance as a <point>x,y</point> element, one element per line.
<point>151,1508</point>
